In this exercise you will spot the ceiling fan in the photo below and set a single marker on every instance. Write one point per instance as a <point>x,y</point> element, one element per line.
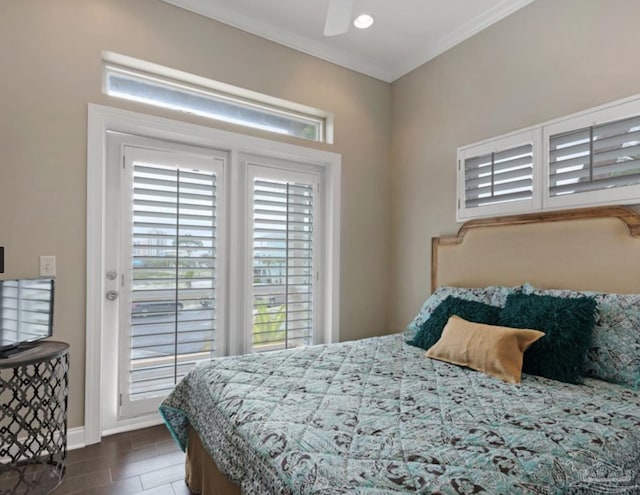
<point>338,17</point>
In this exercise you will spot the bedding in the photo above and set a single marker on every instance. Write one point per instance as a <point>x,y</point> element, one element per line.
<point>494,295</point>
<point>567,324</point>
<point>496,351</point>
<point>376,417</point>
<point>475,311</point>
<point>614,353</point>
<point>201,475</point>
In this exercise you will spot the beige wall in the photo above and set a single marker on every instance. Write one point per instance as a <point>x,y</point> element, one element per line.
<point>50,55</point>
<point>551,58</point>
<point>398,141</point>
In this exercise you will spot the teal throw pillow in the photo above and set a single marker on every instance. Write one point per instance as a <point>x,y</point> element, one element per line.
<point>614,355</point>
<point>568,325</point>
<point>431,330</point>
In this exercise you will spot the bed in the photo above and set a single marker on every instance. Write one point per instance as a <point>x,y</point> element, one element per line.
<point>376,416</point>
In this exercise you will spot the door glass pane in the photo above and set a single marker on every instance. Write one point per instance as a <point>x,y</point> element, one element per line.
<point>282,265</point>
<point>173,275</point>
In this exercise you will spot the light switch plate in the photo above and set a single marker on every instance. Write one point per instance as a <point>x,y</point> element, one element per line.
<point>47,266</point>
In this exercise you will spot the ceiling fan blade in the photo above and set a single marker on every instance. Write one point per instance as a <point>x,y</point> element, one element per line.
<point>338,17</point>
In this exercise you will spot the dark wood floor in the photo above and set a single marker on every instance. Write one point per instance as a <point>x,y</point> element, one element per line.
<point>140,462</point>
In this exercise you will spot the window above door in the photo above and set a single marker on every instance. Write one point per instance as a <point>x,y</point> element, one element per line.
<point>151,84</point>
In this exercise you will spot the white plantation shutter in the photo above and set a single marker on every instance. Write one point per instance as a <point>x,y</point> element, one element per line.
<point>591,158</point>
<point>173,279</point>
<point>595,158</point>
<point>283,261</point>
<point>498,176</point>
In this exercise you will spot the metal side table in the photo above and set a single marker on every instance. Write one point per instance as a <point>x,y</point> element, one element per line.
<point>34,386</point>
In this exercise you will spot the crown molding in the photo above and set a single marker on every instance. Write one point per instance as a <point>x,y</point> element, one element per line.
<point>464,32</point>
<point>282,37</point>
<point>339,57</point>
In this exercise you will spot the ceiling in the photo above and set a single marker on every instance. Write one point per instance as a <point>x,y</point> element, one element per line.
<point>405,35</point>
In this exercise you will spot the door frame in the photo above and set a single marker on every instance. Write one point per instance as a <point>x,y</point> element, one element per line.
<point>102,119</point>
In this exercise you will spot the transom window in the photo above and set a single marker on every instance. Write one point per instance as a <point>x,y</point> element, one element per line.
<point>175,90</point>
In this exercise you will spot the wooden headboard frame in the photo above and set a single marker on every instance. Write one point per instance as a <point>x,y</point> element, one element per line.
<point>630,218</point>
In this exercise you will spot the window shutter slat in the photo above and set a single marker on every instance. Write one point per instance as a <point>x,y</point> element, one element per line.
<point>499,190</point>
<point>614,172</point>
<point>566,138</point>
<point>618,127</point>
<point>616,155</point>
<point>616,141</point>
<point>477,162</point>
<point>575,150</point>
<point>595,185</point>
<point>499,168</point>
<point>572,163</point>
<point>473,203</point>
<point>511,153</point>
<point>503,177</point>
<point>205,209</point>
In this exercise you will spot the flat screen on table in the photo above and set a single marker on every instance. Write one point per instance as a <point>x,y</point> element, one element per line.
<point>26,310</point>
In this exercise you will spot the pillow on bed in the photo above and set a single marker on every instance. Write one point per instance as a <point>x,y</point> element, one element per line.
<point>568,326</point>
<point>431,330</point>
<point>614,354</point>
<point>496,351</point>
<point>494,295</point>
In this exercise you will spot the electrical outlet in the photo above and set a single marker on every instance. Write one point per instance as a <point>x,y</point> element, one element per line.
<point>47,266</point>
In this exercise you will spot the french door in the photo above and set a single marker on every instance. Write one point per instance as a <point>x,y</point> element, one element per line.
<point>200,242</point>
<point>169,217</point>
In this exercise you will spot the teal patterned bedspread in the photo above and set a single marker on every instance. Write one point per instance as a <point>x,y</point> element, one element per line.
<point>376,416</point>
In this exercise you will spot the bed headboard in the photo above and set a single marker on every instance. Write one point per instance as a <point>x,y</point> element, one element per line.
<point>583,249</point>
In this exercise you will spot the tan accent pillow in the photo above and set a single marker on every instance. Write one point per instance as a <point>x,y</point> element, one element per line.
<point>496,351</point>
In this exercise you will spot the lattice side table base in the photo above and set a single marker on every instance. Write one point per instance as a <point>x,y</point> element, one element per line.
<point>33,426</point>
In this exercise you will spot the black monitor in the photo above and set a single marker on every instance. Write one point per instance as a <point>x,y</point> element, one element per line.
<point>26,313</point>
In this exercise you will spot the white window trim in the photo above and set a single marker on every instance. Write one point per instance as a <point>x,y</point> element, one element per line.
<point>616,110</point>
<point>167,75</point>
<point>102,119</point>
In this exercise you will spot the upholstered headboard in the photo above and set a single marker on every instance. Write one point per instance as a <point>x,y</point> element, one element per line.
<point>584,249</point>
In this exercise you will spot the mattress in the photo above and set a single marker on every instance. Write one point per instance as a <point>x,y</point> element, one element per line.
<point>376,416</point>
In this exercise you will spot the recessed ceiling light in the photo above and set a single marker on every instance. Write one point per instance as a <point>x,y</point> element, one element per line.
<point>363,21</point>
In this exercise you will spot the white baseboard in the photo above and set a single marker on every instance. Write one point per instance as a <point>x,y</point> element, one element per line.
<point>134,424</point>
<point>75,438</point>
